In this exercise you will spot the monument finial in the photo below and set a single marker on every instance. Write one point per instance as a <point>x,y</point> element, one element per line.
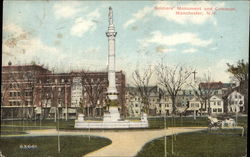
<point>110,16</point>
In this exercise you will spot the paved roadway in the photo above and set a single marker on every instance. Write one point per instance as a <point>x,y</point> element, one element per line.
<point>126,143</point>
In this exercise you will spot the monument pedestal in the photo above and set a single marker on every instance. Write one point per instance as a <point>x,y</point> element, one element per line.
<point>111,120</point>
<point>113,115</point>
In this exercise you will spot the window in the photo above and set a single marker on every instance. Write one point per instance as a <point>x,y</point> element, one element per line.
<point>241,102</point>
<point>159,105</point>
<point>216,92</point>
<point>218,103</point>
<point>11,94</point>
<point>239,96</point>
<point>215,110</point>
<point>235,96</point>
<point>10,103</point>
<point>14,93</point>
<point>219,110</point>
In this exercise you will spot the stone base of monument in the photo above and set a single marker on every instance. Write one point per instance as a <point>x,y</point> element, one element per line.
<point>111,120</point>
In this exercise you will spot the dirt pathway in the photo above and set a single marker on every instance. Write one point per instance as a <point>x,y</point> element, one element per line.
<point>124,142</point>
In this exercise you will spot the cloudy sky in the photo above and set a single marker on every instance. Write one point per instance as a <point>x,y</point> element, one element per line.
<point>70,35</point>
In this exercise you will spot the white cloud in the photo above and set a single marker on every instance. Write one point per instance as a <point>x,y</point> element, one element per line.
<point>12,28</point>
<point>191,50</point>
<point>214,48</point>
<point>23,47</point>
<point>139,15</point>
<point>170,15</point>
<point>175,39</point>
<point>217,70</point>
<point>66,9</point>
<point>83,25</point>
<point>163,49</point>
<point>92,50</point>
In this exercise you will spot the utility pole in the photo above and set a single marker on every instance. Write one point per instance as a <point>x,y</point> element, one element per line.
<point>66,103</point>
<point>172,141</point>
<point>58,134</point>
<point>165,138</point>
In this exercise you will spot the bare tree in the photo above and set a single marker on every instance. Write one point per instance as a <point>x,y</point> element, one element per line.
<point>141,82</point>
<point>203,88</point>
<point>173,79</point>
<point>95,88</point>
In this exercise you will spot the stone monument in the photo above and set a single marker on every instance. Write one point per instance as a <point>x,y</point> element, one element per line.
<point>111,119</point>
<point>111,34</point>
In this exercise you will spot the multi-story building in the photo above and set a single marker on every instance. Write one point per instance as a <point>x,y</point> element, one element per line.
<point>53,91</point>
<point>216,105</point>
<point>32,90</point>
<point>17,90</point>
<point>235,102</point>
<point>158,102</point>
<point>134,102</point>
<point>76,91</point>
<point>187,102</point>
<point>194,106</point>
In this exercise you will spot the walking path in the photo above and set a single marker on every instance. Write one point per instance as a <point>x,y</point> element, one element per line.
<point>124,142</point>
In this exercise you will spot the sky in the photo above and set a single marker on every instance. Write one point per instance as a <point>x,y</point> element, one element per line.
<point>70,35</point>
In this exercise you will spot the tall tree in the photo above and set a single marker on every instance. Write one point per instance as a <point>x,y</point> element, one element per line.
<point>95,88</point>
<point>203,88</point>
<point>141,81</point>
<point>240,74</point>
<point>173,79</point>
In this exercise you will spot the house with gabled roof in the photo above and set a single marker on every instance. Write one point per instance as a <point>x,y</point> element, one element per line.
<point>216,105</point>
<point>235,102</point>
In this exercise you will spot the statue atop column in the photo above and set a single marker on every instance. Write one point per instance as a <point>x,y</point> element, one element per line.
<point>110,16</point>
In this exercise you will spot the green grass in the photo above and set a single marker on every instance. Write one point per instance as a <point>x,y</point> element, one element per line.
<point>178,122</point>
<point>219,143</point>
<point>15,127</point>
<point>19,127</point>
<point>158,123</point>
<point>71,146</point>
<point>36,123</point>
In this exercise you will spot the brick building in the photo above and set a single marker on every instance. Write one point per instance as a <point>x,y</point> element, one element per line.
<point>30,91</point>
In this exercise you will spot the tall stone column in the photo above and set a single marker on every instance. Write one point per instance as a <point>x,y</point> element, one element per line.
<point>111,34</point>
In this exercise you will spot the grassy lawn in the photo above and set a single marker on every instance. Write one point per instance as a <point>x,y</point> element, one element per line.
<point>16,127</point>
<point>177,122</point>
<point>157,123</point>
<point>217,143</point>
<point>19,127</point>
<point>75,146</point>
